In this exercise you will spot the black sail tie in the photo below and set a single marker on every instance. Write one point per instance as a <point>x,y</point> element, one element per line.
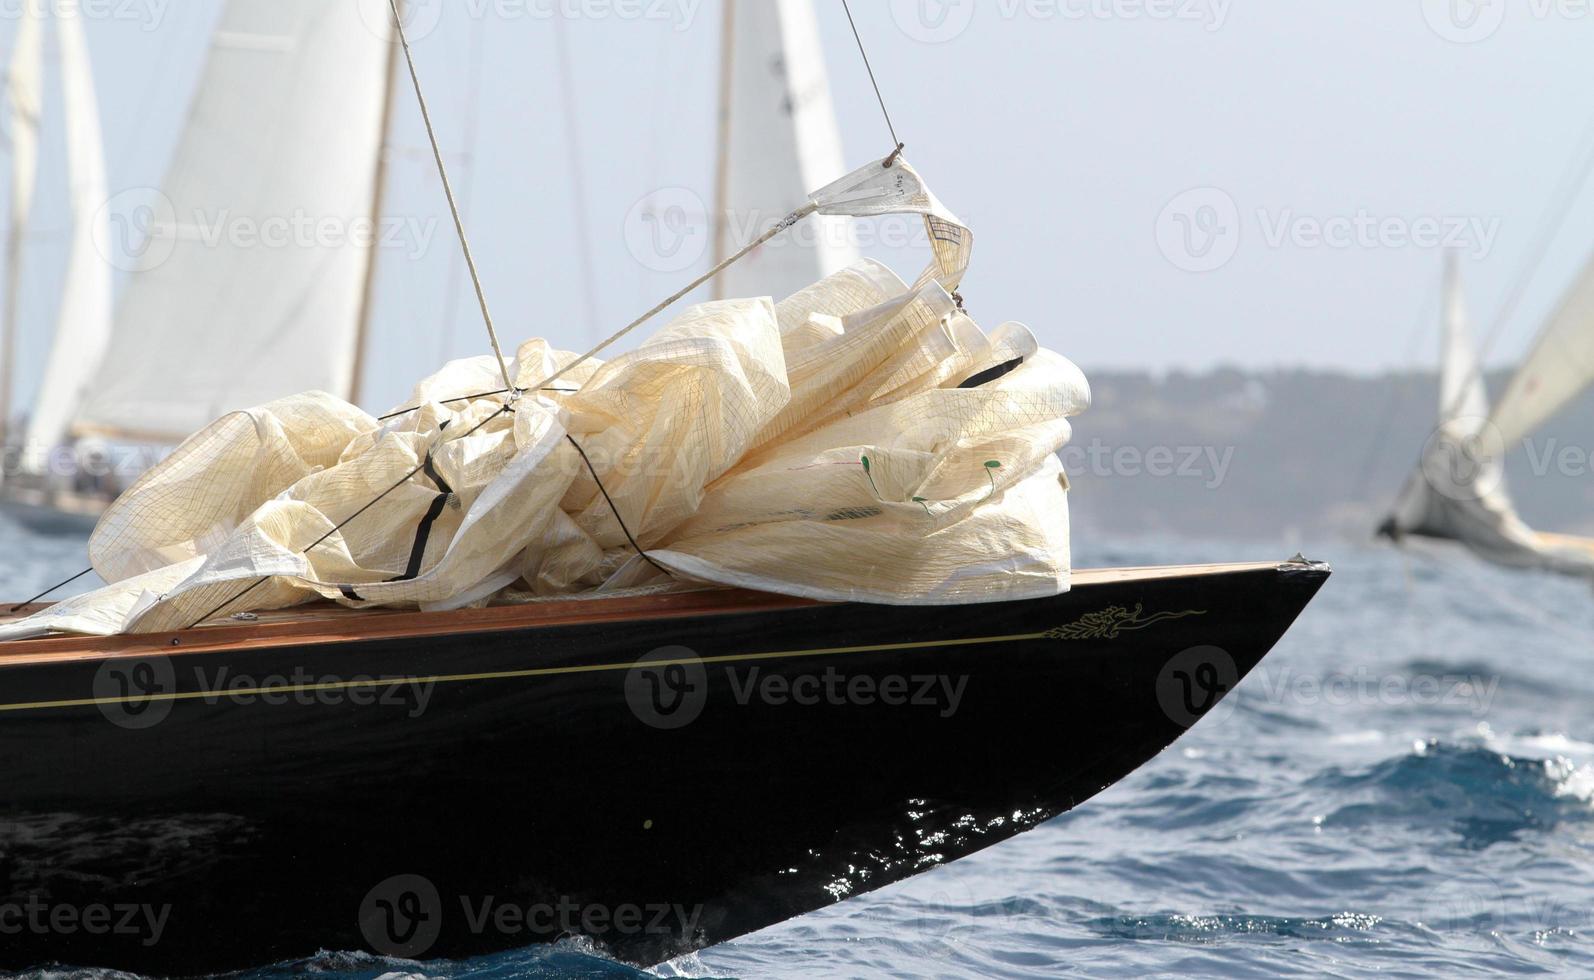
<point>423,533</point>
<point>991,374</point>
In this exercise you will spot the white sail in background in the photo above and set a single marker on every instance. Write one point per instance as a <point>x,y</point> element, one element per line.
<point>1558,369</point>
<point>1458,492</point>
<point>257,260</point>
<point>1463,402</point>
<point>24,105</point>
<point>83,325</point>
<point>778,141</point>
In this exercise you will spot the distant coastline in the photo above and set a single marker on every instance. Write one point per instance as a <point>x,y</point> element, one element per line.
<point>1292,453</point>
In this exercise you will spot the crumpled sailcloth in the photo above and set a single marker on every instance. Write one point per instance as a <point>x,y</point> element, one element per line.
<point>861,440</point>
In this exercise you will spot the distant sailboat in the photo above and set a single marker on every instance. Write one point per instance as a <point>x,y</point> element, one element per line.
<point>1458,491</point>
<point>83,323</point>
<point>24,107</point>
<point>288,125</point>
<point>292,117</point>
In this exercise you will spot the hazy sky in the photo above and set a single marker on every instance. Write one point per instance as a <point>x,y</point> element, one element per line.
<point>1167,184</point>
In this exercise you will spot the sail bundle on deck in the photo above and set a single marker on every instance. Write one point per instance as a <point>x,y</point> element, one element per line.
<point>861,439</point>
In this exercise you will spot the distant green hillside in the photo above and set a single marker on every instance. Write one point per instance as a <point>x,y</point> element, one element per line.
<point>1306,453</point>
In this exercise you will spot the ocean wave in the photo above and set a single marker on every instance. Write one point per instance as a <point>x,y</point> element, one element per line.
<point>1209,928</point>
<point>1484,795</point>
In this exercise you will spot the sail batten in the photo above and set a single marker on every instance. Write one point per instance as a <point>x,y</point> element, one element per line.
<point>253,276</point>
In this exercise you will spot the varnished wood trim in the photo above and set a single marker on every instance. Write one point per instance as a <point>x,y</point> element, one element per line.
<point>326,623</point>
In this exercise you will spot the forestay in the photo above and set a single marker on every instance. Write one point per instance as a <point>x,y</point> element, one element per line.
<point>862,439</point>
<point>253,278</point>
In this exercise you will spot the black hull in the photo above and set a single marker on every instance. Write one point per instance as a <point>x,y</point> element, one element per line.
<point>657,808</point>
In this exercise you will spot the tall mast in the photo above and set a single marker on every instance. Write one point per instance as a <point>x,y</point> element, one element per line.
<point>378,197</point>
<point>722,189</point>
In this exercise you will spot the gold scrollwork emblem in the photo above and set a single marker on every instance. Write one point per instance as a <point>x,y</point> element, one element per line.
<point>1109,622</point>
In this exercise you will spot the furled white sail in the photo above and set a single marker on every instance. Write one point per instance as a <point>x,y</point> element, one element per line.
<point>24,105</point>
<point>254,272</point>
<point>778,140</point>
<point>872,453</point>
<point>83,325</point>
<point>1557,370</point>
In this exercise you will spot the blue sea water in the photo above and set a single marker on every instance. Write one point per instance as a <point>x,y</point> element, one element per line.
<point>1405,786</point>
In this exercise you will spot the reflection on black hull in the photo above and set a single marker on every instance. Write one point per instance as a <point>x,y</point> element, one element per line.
<point>657,776</point>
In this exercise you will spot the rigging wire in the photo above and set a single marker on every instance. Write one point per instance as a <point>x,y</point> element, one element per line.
<point>510,388</point>
<point>1386,418</point>
<point>1550,227</point>
<point>870,69</point>
<point>1551,224</point>
<point>507,409</point>
<point>448,191</point>
<point>616,511</point>
<point>468,398</point>
<point>59,585</point>
<point>782,225</point>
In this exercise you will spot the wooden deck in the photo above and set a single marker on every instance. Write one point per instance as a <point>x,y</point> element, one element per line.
<point>328,623</point>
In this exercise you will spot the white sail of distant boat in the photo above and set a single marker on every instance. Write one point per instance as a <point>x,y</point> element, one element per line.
<point>24,107</point>
<point>285,138</point>
<point>778,138</point>
<point>83,324</point>
<point>289,126</point>
<point>1458,492</point>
